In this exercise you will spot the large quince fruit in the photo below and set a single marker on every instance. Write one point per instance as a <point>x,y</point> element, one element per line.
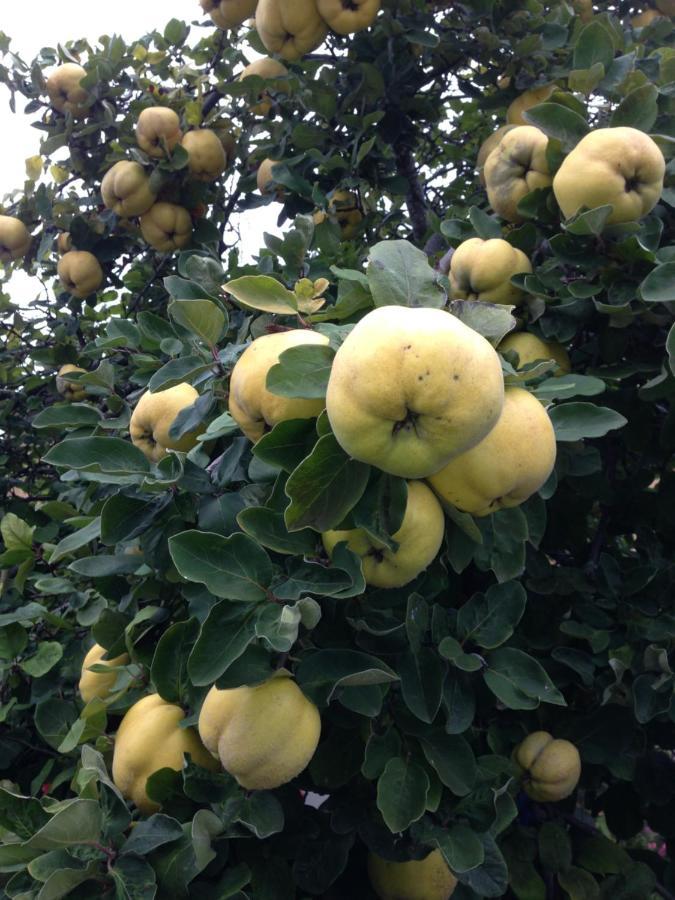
<point>482,270</point>
<point>153,416</point>
<point>229,13</point>
<point>551,768</point>
<point>167,227</point>
<point>271,70</point>
<point>419,539</point>
<point>252,406</point>
<point>290,28</point>
<point>515,167</point>
<point>150,738</point>
<point>508,465</point>
<point>532,349</point>
<point>99,684</point>
<point>348,16</point>
<point>528,99</point>
<point>125,189</point>
<point>70,390</point>
<point>15,238</point>
<point>619,166</point>
<point>418,879</point>
<point>412,387</point>
<point>489,144</point>
<point>80,273</point>
<point>207,159</point>
<point>65,92</point>
<point>158,130</point>
<point>263,736</point>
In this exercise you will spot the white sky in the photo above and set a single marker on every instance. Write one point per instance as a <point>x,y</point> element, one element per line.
<point>33,24</point>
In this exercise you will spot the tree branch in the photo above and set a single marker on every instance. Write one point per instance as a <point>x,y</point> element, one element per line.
<point>415,198</point>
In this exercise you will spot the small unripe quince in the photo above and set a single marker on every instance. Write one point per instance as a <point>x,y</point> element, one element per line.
<point>99,684</point>
<point>148,739</point>
<point>419,538</point>
<point>70,390</point>
<point>167,227</point>
<point>551,768</point>
<point>507,466</point>
<point>15,238</point>
<point>80,272</point>
<point>158,130</point>
<point>482,270</point>
<point>125,189</point>
<point>290,28</point>
<point>348,16</point>
<point>418,879</point>
<point>229,13</point>
<point>65,92</point>
<point>266,68</point>
<point>623,167</point>
<point>528,99</point>
<point>153,417</point>
<point>252,406</point>
<point>532,349</point>
<point>264,736</point>
<point>515,167</point>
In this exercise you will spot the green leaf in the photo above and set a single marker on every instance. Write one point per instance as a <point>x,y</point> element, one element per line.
<point>670,348</point>
<point>492,320</point>
<point>519,681</point>
<point>579,884</point>
<point>594,45</point>
<point>454,762</point>
<point>203,318</point>
<point>659,285</point>
<point>575,421</point>
<point>461,847</point>
<point>402,793</point>
<point>234,567</point>
<point>22,816</point>
<point>268,528</point>
<point>107,455</point>
<point>123,518</point>
<point>68,415</point>
<point>591,222</point>
<point>491,878</point>
<point>638,109</point>
<point>169,663</point>
<point>77,822</point>
<point>48,655</point>
<point>152,833</point>
<point>381,509</point>
<point>490,619</point>
<point>421,675</point>
<point>176,371</point>
<point>324,487</point>
<point>134,878</point>
<point>558,122</point>
<point>262,814</point>
<point>76,540</point>
<point>485,226</point>
<point>398,273</point>
<point>302,372</point>
<point>224,636</point>
<point>555,849</point>
<point>16,534</point>
<point>264,293</point>
<point>287,444</point>
<point>566,386</point>
<point>103,566</point>
<point>321,673</point>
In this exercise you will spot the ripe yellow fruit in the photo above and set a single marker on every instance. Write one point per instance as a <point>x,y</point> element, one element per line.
<point>64,243</point>
<point>265,179</point>
<point>252,406</point>
<point>508,466</point>
<point>158,130</point>
<point>153,417</point>
<point>412,387</point>
<point>229,13</point>
<point>65,92</point>
<point>623,167</point>
<point>125,189</point>
<point>206,155</point>
<point>263,736</point>
<point>419,538</point>
<point>99,684</point>
<point>80,273</point>
<point>488,145</point>
<point>348,16</point>
<point>150,738</point>
<point>418,879</point>
<point>482,270</point>
<point>532,349</point>
<point>290,28</point>
<point>70,390</point>
<point>645,18</point>
<point>15,238</point>
<point>167,227</point>
<point>269,69</point>
<point>343,208</point>
<point>515,167</point>
<point>528,99</point>
<point>551,767</point>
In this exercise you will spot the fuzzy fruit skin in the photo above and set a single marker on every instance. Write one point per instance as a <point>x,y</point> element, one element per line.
<point>489,144</point>
<point>552,766</point>
<point>206,155</point>
<point>482,270</point>
<point>150,738</point>
<point>167,227</point>
<point>64,243</point>
<point>508,465</point>
<point>343,208</point>
<point>418,879</point>
<point>99,684</point>
<point>412,387</point>
<point>15,238</point>
<point>252,406</point>
<point>645,18</point>
<point>619,166</point>
<point>528,99</point>
<point>266,68</point>
<point>70,390</point>
<point>530,349</point>
<point>265,179</point>
<point>342,18</point>
<point>263,736</point>
<point>158,126</point>
<point>515,167</point>
<point>229,13</point>
<point>419,537</point>
<point>290,28</point>
<point>80,273</point>
<point>153,417</point>
<point>125,189</point>
<point>65,93</point>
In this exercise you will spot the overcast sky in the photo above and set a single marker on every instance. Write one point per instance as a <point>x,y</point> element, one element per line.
<point>33,24</point>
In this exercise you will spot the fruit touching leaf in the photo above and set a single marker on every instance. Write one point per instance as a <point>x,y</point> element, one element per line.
<point>400,274</point>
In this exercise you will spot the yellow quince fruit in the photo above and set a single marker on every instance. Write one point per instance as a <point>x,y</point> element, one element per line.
<point>418,879</point>
<point>269,69</point>
<point>65,91</point>
<point>551,767</point>
<point>482,270</point>
<point>158,131</point>
<point>532,349</point>
<point>80,273</point>
<point>229,13</point>
<point>70,390</point>
<point>348,16</point>
<point>290,28</point>
<point>489,144</point>
<point>99,684</point>
<point>167,227</point>
<point>515,167</point>
<point>15,239</point>
<point>153,417</point>
<point>126,190</point>
<point>528,99</point>
<point>207,159</point>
